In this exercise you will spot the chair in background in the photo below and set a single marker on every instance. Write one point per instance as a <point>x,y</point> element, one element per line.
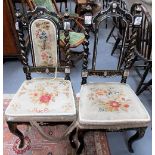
<point>143,52</point>
<point>111,106</point>
<point>49,4</point>
<point>82,4</point>
<point>42,101</point>
<point>118,25</point>
<point>62,1</point>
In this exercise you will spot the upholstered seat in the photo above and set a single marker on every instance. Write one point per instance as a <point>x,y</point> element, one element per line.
<point>111,105</point>
<point>43,99</point>
<point>76,39</point>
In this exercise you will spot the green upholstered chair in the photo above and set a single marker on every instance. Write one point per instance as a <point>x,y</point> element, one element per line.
<point>46,3</point>
<point>76,39</point>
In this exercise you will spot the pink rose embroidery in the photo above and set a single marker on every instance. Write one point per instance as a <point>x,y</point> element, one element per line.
<point>114,104</point>
<point>44,56</point>
<point>45,98</point>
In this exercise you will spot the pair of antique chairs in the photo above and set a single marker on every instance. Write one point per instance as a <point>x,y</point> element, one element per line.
<point>50,101</point>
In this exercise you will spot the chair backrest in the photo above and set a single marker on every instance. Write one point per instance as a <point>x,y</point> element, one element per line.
<point>44,35</point>
<point>144,37</point>
<point>113,11</point>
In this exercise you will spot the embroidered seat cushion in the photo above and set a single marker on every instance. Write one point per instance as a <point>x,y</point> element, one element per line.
<point>112,105</point>
<point>43,99</point>
<point>75,40</point>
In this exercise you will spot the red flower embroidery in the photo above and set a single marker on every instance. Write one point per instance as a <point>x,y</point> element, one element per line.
<point>126,105</point>
<point>45,98</point>
<point>114,104</point>
<point>44,56</point>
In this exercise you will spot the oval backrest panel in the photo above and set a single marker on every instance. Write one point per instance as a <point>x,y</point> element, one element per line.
<point>44,42</point>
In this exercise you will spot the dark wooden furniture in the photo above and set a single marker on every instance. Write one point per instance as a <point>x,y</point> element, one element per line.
<point>95,111</point>
<point>62,1</point>
<point>117,25</point>
<point>44,28</point>
<point>10,37</point>
<point>81,6</point>
<point>145,87</point>
<point>76,38</point>
<point>143,52</point>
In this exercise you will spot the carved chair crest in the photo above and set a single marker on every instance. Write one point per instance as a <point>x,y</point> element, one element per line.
<point>44,35</point>
<point>114,11</point>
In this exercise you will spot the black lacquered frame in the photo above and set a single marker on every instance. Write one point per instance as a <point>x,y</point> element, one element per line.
<point>24,23</point>
<point>110,13</point>
<point>140,131</point>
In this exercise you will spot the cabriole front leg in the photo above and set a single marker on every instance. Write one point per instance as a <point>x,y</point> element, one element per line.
<point>81,141</point>
<point>139,134</point>
<point>71,138</point>
<point>14,130</point>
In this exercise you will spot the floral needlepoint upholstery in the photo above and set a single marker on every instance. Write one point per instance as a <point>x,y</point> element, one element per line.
<point>44,41</point>
<point>43,100</point>
<point>75,40</point>
<point>111,104</point>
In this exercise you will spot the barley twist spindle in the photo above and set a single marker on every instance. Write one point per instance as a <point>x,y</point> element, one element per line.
<point>129,55</point>
<point>67,45</point>
<point>24,60</point>
<point>85,56</point>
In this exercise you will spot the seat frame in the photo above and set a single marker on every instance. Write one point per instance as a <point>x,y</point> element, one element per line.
<point>124,72</point>
<point>21,25</point>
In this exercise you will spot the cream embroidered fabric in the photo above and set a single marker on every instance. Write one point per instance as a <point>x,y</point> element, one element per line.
<point>44,39</point>
<point>43,100</point>
<point>111,104</point>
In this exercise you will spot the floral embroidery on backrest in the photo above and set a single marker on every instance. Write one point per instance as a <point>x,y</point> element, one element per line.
<point>44,40</point>
<point>109,99</point>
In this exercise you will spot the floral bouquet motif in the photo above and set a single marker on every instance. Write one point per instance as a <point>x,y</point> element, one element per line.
<point>109,100</point>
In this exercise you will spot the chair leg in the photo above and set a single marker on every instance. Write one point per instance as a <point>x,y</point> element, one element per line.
<point>65,4</point>
<point>145,87</point>
<point>143,79</point>
<point>112,30</point>
<point>115,46</point>
<point>71,138</point>
<point>60,6</point>
<point>81,141</point>
<point>139,134</point>
<point>106,25</point>
<point>13,129</point>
